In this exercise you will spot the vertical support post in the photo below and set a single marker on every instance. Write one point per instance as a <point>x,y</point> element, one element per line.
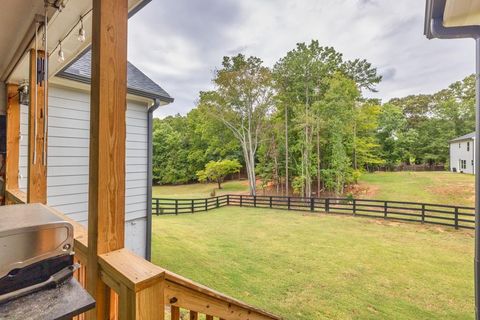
<point>354,206</point>
<point>312,204</point>
<point>255,201</point>
<point>228,199</point>
<point>37,169</point>
<point>13,137</point>
<point>241,200</point>
<point>106,197</point>
<point>271,202</point>
<point>423,213</point>
<point>456,218</point>
<point>176,206</point>
<point>385,209</point>
<point>193,206</point>
<point>327,205</point>
<point>288,203</point>
<point>477,179</point>
<point>157,205</point>
<point>206,204</point>
<point>218,204</point>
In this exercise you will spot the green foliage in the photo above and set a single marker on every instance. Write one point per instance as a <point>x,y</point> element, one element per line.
<point>218,170</point>
<point>304,124</point>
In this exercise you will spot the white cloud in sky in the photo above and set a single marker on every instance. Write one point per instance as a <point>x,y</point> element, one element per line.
<point>178,43</point>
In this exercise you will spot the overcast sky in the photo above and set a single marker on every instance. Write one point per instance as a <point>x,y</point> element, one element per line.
<point>178,43</point>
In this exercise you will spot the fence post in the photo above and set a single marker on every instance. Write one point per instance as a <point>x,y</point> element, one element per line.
<point>423,213</point>
<point>228,199</point>
<point>456,218</point>
<point>193,206</point>
<point>206,204</point>
<point>288,203</point>
<point>157,209</point>
<point>218,205</point>
<point>312,204</point>
<point>385,210</point>
<point>241,200</point>
<point>327,205</point>
<point>176,206</point>
<point>270,201</point>
<point>354,206</point>
<point>255,201</point>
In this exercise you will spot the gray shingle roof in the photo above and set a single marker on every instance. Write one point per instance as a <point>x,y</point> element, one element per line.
<point>470,135</point>
<point>137,82</point>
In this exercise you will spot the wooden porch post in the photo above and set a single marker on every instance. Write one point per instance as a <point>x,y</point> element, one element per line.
<point>37,169</point>
<point>106,199</point>
<point>13,137</point>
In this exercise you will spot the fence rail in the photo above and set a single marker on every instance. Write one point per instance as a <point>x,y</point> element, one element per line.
<point>446,215</point>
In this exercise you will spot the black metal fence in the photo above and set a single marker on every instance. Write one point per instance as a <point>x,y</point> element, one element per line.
<point>446,215</point>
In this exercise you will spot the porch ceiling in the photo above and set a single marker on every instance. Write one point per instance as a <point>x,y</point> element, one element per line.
<point>18,18</point>
<point>460,13</point>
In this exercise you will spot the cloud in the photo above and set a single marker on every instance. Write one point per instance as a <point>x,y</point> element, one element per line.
<point>178,43</point>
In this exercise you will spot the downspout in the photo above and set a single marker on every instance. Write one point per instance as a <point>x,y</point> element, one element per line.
<point>156,104</point>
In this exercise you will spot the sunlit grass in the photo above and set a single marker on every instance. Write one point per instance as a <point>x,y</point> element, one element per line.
<point>322,267</point>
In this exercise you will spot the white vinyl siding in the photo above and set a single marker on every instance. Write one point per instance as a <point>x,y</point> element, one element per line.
<point>68,160</point>
<point>462,156</point>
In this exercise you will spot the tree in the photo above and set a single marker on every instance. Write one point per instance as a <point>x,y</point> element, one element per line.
<point>242,100</point>
<point>218,170</point>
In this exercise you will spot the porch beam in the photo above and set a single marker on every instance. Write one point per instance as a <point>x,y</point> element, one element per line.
<point>37,168</point>
<point>106,199</point>
<point>13,137</point>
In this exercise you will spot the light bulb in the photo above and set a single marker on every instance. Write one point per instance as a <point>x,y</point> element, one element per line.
<point>61,55</point>
<point>81,35</point>
<point>81,32</point>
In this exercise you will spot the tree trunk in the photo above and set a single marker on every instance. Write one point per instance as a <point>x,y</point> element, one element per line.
<point>286,152</point>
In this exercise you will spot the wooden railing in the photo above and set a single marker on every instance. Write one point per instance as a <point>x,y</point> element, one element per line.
<point>142,290</point>
<point>439,214</point>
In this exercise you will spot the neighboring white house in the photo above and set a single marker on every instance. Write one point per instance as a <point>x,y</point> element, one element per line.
<point>462,154</point>
<point>68,147</point>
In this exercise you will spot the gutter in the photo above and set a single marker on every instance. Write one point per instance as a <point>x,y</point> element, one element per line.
<point>148,250</point>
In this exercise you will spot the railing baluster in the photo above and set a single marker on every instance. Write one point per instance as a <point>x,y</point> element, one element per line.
<point>193,315</point>
<point>175,313</point>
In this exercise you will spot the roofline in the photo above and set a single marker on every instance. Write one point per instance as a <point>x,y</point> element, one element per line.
<point>462,139</point>
<point>433,27</point>
<point>135,92</point>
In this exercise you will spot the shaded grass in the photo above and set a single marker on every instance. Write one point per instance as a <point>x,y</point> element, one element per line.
<point>322,267</point>
<point>199,190</point>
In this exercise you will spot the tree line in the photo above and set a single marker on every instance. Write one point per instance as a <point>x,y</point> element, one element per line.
<point>305,126</point>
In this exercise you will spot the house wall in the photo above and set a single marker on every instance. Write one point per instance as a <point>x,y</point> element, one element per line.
<point>68,160</point>
<point>458,151</point>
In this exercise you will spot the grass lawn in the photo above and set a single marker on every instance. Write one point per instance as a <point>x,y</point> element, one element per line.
<point>430,187</point>
<point>199,190</point>
<point>322,267</point>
